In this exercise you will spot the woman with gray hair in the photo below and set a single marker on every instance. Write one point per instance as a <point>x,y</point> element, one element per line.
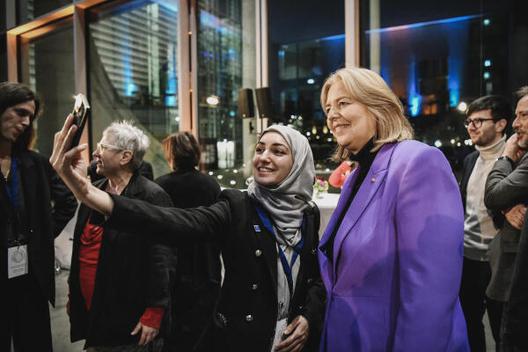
<point>119,282</point>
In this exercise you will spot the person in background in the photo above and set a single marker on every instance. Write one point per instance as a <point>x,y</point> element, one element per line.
<point>507,191</point>
<point>198,271</point>
<point>34,208</point>
<point>119,282</point>
<point>391,255</point>
<point>486,122</point>
<point>272,297</point>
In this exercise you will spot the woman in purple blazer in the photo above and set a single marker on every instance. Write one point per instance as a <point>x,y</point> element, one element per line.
<point>391,256</point>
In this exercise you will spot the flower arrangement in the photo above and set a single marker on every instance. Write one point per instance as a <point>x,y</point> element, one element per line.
<point>320,187</point>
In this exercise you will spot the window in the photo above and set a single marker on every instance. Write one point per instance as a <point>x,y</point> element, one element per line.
<point>47,67</point>
<point>307,43</point>
<point>133,53</point>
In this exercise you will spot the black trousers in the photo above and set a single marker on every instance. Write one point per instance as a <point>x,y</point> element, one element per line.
<point>475,278</point>
<point>25,316</point>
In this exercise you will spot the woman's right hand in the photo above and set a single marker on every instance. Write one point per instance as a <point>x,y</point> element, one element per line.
<point>73,169</point>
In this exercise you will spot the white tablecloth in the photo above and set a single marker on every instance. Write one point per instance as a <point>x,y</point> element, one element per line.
<point>326,206</point>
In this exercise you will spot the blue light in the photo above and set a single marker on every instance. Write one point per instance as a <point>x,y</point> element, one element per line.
<point>130,89</point>
<point>232,113</point>
<point>170,100</point>
<point>486,22</point>
<point>415,104</point>
<point>414,99</point>
<point>170,5</point>
<point>334,37</point>
<point>423,24</point>
<point>487,63</point>
<point>487,75</point>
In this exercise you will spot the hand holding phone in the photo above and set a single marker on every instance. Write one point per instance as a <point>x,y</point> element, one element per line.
<point>79,113</point>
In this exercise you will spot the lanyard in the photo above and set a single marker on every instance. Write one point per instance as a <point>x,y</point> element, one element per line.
<point>12,187</point>
<point>287,267</point>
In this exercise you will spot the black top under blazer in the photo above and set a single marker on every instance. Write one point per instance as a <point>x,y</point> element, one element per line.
<point>246,313</point>
<point>133,273</point>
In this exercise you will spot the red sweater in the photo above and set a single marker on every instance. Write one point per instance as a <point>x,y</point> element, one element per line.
<point>90,246</point>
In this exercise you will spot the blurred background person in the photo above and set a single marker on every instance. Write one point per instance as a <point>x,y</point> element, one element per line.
<point>34,206</point>
<point>119,282</point>
<point>391,256</point>
<point>198,270</point>
<point>486,122</point>
<point>507,191</point>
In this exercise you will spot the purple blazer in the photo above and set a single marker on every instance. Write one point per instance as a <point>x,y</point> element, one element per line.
<point>394,281</point>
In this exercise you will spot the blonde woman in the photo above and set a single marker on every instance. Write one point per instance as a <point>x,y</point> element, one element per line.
<point>391,256</point>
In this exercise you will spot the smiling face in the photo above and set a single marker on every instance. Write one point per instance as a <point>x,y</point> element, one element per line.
<point>15,120</point>
<point>520,124</point>
<point>350,121</point>
<point>489,132</point>
<point>273,160</point>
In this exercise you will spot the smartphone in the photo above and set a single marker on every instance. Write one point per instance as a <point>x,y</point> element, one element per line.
<point>80,115</point>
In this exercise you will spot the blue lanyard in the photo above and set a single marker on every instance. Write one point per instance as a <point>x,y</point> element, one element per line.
<point>287,267</point>
<point>12,188</point>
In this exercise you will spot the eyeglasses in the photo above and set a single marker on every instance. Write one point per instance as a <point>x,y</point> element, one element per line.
<point>476,122</point>
<point>104,146</point>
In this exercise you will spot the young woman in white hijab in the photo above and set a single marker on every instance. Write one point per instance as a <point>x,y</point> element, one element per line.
<point>272,297</point>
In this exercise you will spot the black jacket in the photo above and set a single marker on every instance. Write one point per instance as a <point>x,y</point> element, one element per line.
<point>515,318</point>
<point>198,271</point>
<point>133,273</point>
<point>49,206</point>
<point>246,313</point>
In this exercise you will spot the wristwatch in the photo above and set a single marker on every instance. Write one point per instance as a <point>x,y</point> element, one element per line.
<point>507,158</point>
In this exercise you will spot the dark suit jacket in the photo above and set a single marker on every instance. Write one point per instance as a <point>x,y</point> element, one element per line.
<point>198,271</point>
<point>506,187</point>
<point>515,318</point>
<point>133,273</point>
<point>49,207</point>
<point>247,309</point>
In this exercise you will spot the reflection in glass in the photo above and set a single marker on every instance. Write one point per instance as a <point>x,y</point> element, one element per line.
<point>306,44</point>
<point>437,61</point>
<point>27,10</point>
<point>133,70</point>
<point>226,63</point>
<point>47,67</point>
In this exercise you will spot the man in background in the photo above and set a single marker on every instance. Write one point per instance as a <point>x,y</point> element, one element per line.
<point>486,122</point>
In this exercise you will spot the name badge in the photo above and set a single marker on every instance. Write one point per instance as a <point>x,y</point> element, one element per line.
<point>257,228</point>
<point>17,261</point>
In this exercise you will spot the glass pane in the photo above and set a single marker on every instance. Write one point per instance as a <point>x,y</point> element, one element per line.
<point>133,70</point>
<point>437,59</point>
<point>47,67</point>
<point>306,44</point>
<point>27,10</point>
<point>226,63</point>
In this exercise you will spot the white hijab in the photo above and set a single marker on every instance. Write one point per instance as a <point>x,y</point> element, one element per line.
<point>286,202</point>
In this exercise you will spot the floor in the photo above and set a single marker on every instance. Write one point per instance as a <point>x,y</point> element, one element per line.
<point>61,326</point>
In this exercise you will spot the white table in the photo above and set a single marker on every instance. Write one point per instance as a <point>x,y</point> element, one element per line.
<point>326,205</point>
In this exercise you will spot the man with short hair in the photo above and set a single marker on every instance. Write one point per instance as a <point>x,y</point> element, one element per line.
<point>506,187</point>
<point>487,118</point>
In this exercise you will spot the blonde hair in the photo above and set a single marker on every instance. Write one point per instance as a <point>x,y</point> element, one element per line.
<point>368,88</point>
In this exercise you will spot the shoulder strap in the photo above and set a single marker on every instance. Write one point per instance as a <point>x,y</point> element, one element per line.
<point>317,216</point>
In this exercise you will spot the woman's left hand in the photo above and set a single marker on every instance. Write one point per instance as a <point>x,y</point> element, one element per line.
<point>296,335</point>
